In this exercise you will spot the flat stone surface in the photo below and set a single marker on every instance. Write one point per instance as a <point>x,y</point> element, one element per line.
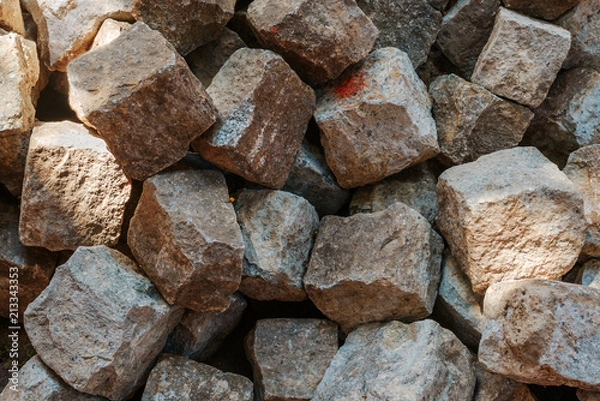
<point>471,121</point>
<point>589,273</point>
<point>252,138</point>
<point>409,25</point>
<point>278,230</point>
<point>373,126</point>
<point>420,361</point>
<point>108,31</point>
<point>518,204</point>
<point>148,108</point>
<point>199,334</point>
<point>185,236</point>
<point>583,21</point>
<point>318,38</point>
<point>74,191</point>
<point>99,324</point>
<point>290,356</point>
<point>545,9</point>
<point>521,58</point>
<point>175,378</point>
<point>493,387</point>
<point>375,266</point>
<point>465,30</point>
<point>13,154</point>
<point>11,17</point>
<point>186,24</point>
<point>542,332</point>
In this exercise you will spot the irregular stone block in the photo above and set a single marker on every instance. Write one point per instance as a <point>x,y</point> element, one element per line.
<point>108,31</point>
<point>311,178</point>
<point>185,236</point>
<point>147,108</point>
<point>546,9</point>
<point>188,24</point>
<point>252,138</point>
<point>11,17</point>
<point>510,215</point>
<point>374,267</point>
<point>492,387</point>
<point>290,356</point>
<point>176,378</point>
<point>100,324</point>
<point>589,273</point>
<point>420,361</point>
<point>318,38</point>
<point>200,334</point>
<point>373,126</point>
<point>542,332</point>
<point>65,30</point>
<point>74,191</point>
<point>278,230</point>
<point>409,25</point>
<point>583,21</point>
<point>13,154</point>
<point>472,122</point>
<point>521,58</point>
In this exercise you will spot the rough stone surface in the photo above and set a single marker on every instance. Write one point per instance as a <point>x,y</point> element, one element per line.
<point>278,230</point>
<point>521,58</point>
<point>74,192</point>
<point>492,387</point>
<point>472,121</point>
<point>583,395</point>
<point>510,215</point>
<point>409,25</point>
<point>65,29</point>
<point>186,24</point>
<point>542,332</point>
<point>290,356</point>
<point>200,334</point>
<point>175,378</point>
<point>414,187</point>
<point>583,169</point>
<point>252,138</point>
<point>109,31</point>
<point>11,17</point>
<point>583,21</point>
<point>13,154</point>
<point>376,120</point>
<point>373,267</point>
<point>99,324</point>
<point>33,266</point>
<point>420,361</point>
<point>185,237</point>
<point>148,108</point>
<point>545,9</point>
<point>465,30</point>
<point>318,38</point>
<point>589,274</point>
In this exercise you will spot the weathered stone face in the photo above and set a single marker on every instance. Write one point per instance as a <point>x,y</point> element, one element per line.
<point>493,387</point>
<point>542,332</point>
<point>74,192</point>
<point>583,21</point>
<point>412,362</point>
<point>583,395</point>
<point>187,25</point>
<point>589,273</point>
<point>13,154</point>
<point>375,267</point>
<point>518,204</point>
<point>545,9</point>
<point>148,108</point>
<point>252,138</point>
<point>100,324</point>
<point>506,70</point>
<point>290,356</point>
<point>376,120</point>
<point>185,236</point>
<point>11,17</point>
<point>318,38</point>
<point>108,31</point>
<point>177,378</point>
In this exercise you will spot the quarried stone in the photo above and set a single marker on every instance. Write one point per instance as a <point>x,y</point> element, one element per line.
<point>108,31</point>
<point>589,273</point>
<point>11,17</point>
<point>583,21</point>
<point>493,387</point>
<point>13,155</point>
<point>545,9</point>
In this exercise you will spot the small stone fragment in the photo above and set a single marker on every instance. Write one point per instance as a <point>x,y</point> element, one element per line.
<point>542,332</point>
<point>148,108</point>
<point>521,58</point>
<point>545,9</point>
<point>278,230</point>
<point>290,356</point>
<point>252,138</point>
<point>186,24</point>
<point>510,215</point>
<point>175,378</point>
<point>589,273</point>
<point>409,25</point>
<point>185,236</point>
<point>100,324</point>
<point>13,154</point>
<point>376,120</point>
<point>74,191</point>
<point>318,38</point>
<point>11,17</point>
<point>583,21</point>
<point>375,266</point>
<point>109,31</point>
<point>396,361</point>
<point>493,387</point>
<point>472,121</point>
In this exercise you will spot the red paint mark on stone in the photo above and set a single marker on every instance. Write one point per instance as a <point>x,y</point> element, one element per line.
<point>351,85</point>
<point>274,30</point>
